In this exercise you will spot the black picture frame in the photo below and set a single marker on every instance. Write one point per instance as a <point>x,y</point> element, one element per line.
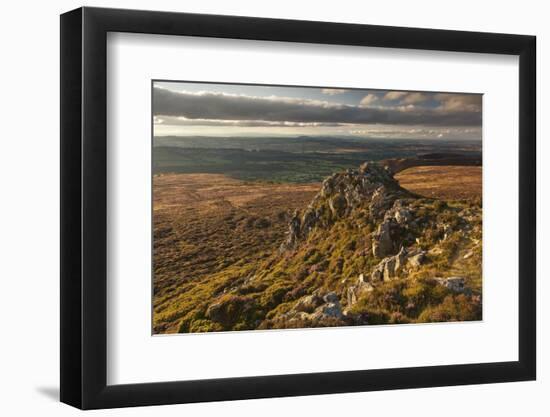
<point>84,207</point>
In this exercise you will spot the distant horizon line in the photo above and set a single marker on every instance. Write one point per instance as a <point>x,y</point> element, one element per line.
<point>315,136</point>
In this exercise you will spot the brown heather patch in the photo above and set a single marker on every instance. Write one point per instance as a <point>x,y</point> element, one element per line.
<point>207,223</point>
<point>443,182</point>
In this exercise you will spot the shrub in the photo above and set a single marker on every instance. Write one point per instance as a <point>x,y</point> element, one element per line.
<point>453,308</point>
<point>398,318</point>
<point>274,295</point>
<point>312,257</point>
<point>376,317</point>
<point>262,223</point>
<point>250,221</point>
<point>201,326</point>
<point>232,309</point>
<point>440,205</point>
<point>423,293</point>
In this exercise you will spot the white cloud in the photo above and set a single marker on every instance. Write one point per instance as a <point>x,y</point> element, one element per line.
<point>333,91</point>
<point>459,102</point>
<point>415,98</point>
<point>394,95</point>
<point>368,100</point>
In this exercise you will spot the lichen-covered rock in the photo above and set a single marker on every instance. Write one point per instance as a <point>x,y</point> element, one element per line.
<point>309,303</point>
<point>455,284</point>
<point>380,202</point>
<point>354,292</point>
<point>293,234</point>
<point>313,308</point>
<point>331,297</point>
<point>331,308</point>
<point>390,267</point>
<point>415,260</point>
<point>382,242</point>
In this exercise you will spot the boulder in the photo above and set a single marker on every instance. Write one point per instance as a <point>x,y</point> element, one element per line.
<point>417,259</point>
<point>317,307</point>
<point>328,185</point>
<point>402,215</point>
<point>455,284</point>
<point>331,297</point>
<point>309,302</point>
<point>355,291</point>
<point>381,201</point>
<point>293,233</point>
<point>330,310</point>
<point>390,267</point>
<point>377,274</point>
<point>394,265</point>
<point>382,243</point>
<point>309,220</point>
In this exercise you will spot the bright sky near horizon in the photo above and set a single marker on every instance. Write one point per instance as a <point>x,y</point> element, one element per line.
<point>209,109</point>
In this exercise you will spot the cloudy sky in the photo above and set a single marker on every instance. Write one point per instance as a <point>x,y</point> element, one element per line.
<point>195,109</point>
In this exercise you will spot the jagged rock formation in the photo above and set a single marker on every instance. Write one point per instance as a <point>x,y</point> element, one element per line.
<point>389,267</point>
<point>401,222</point>
<point>313,310</point>
<point>341,194</point>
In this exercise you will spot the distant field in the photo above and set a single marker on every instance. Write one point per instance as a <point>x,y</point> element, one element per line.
<point>444,182</point>
<point>298,160</point>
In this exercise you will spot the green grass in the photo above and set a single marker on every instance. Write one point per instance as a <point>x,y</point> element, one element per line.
<point>294,159</point>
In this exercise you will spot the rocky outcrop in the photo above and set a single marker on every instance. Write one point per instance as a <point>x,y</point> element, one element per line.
<point>392,229</point>
<point>308,303</point>
<point>293,234</point>
<point>364,251</point>
<point>400,213</point>
<point>354,292</point>
<point>382,241</point>
<point>314,308</point>
<point>390,267</point>
<point>338,205</point>
<point>387,238</point>
<point>330,308</point>
<point>372,187</point>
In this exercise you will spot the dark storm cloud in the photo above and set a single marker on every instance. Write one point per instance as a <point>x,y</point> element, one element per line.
<point>451,109</point>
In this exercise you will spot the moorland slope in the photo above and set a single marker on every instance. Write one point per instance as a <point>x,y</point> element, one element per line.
<point>364,251</point>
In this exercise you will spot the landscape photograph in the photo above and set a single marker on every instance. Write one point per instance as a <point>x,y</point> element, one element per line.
<point>289,207</point>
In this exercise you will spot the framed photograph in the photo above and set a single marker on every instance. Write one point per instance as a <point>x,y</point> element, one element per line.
<point>257,208</point>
